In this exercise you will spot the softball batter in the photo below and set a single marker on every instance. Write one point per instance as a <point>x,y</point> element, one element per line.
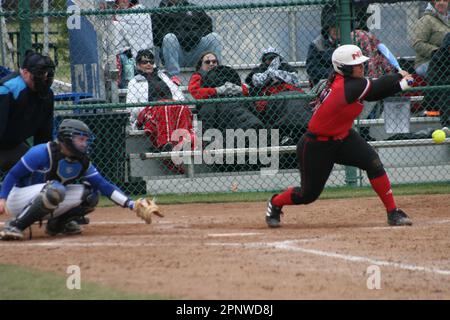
<point>330,138</point>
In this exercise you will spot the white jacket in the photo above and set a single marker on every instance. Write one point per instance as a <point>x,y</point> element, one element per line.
<point>133,31</point>
<point>138,93</point>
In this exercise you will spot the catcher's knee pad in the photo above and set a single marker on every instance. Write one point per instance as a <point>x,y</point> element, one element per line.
<point>52,194</point>
<point>89,198</point>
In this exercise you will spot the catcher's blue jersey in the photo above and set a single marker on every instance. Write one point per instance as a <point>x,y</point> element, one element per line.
<point>34,167</point>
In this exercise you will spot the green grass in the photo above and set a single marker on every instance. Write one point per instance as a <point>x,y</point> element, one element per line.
<point>24,284</point>
<point>329,193</point>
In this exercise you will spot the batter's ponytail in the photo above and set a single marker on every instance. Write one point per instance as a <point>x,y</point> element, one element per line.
<point>322,87</point>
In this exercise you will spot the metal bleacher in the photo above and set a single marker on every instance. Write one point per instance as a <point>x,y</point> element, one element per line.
<point>145,162</point>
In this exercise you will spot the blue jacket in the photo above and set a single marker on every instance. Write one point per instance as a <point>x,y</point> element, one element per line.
<point>23,113</point>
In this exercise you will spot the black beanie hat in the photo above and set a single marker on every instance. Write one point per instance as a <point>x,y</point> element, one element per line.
<point>146,53</point>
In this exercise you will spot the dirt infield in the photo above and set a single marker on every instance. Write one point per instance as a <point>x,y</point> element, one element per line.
<point>225,251</point>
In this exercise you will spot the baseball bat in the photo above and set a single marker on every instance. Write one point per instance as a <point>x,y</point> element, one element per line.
<point>391,58</point>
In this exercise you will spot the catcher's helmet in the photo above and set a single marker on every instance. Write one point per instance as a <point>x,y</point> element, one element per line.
<point>69,130</point>
<point>345,57</point>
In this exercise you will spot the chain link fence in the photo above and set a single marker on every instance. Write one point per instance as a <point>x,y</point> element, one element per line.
<point>212,96</point>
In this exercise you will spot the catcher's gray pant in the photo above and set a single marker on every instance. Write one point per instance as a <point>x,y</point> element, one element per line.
<point>19,198</point>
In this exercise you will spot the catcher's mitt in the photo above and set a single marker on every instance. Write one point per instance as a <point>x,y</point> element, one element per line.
<point>145,207</point>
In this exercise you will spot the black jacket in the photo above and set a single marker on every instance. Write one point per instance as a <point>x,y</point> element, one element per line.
<point>188,26</point>
<point>23,113</point>
<point>318,60</point>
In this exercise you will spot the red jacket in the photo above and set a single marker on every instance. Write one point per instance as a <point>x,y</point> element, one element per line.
<point>197,92</point>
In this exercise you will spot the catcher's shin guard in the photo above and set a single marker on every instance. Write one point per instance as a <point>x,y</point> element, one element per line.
<point>44,204</point>
<point>68,222</point>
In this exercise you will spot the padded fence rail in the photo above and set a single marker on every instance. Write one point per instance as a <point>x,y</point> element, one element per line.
<point>238,79</point>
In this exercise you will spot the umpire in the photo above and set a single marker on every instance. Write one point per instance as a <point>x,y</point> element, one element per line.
<point>26,108</point>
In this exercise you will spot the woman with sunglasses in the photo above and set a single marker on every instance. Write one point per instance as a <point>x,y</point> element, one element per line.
<point>149,84</point>
<point>207,62</point>
<point>152,84</point>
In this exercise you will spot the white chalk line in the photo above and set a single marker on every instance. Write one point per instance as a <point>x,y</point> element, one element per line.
<point>289,245</point>
<point>65,244</point>
<point>236,234</point>
<point>259,244</point>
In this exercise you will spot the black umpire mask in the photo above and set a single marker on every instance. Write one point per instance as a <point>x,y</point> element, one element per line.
<point>43,80</point>
<point>42,69</point>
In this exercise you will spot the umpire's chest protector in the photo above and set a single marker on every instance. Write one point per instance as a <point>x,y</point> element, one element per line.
<point>62,169</point>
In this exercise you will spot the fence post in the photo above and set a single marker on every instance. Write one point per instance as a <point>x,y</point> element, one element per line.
<point>25,28</point>
<point>345,18</point>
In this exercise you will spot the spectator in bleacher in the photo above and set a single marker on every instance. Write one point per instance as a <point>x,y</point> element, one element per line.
<point>429,33</point>
<point>211,80</point>
<point>151,84</point>
<point>132,32</point>
<point>183,36</point>
<point>26,108</point>
<point>439,74</point>
<point>318,61</point>
<point>274,76</point>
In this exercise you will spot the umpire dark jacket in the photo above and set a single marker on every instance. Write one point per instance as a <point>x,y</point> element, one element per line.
<point>23,113</point>
<point>188,26</point>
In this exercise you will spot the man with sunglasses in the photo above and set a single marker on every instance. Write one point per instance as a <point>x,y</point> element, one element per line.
<point>26,108</point>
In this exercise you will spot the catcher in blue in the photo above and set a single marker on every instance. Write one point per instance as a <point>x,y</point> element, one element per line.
<point>41,186</point>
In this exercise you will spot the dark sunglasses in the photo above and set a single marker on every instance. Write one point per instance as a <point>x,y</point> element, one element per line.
<point>210,61</point>
<point>147,61</point>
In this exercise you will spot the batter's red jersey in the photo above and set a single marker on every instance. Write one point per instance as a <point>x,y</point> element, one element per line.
<point>339,106</point>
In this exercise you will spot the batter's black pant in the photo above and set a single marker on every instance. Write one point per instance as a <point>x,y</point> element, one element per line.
<point>8,158</point>
<point>317,158</point>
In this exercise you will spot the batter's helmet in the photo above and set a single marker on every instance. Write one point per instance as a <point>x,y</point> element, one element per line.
<point>345,57</point>
<point>68,129</point>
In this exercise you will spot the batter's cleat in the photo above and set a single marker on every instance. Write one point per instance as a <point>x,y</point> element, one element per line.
<point>273,214</point>
<point>397,217</point>
<point>70,228</point>
<point>10,232</point>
